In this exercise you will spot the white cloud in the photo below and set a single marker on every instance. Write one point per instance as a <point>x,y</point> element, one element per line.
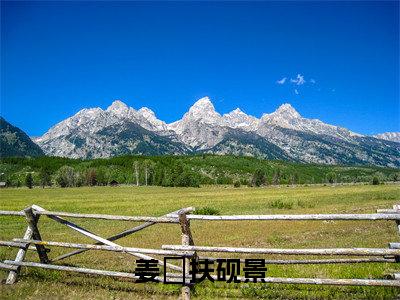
<point>282,81</point>
<point>299,80</point>
<point>296,91</point>
<point>312,81</point>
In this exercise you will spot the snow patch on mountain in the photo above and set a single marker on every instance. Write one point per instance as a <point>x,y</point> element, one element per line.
<point>389,136</point>
<point>120,109</point>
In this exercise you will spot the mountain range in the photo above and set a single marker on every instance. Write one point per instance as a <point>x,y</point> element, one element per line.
<point>283,134</point>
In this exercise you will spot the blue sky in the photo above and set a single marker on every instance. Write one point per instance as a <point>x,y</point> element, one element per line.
<point>59,57</point>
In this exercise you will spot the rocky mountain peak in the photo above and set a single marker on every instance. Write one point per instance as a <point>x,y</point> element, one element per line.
<point>284,116</point>
<point>203,104</point>
<point>287,111</point>
<point>236,111</point>
<point>147,113</point>
<point>204,110</point>
<point>118,107</point>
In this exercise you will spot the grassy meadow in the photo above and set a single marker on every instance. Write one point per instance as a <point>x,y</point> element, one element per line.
<point>156,201</point>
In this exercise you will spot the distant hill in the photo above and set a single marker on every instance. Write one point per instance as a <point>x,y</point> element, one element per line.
<point>15,142</point>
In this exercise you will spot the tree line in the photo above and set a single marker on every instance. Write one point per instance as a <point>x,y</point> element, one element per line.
<point>141,174</point>
<point>180,171</point>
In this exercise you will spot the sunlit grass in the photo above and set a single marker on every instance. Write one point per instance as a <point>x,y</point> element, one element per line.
<point>156,201</point>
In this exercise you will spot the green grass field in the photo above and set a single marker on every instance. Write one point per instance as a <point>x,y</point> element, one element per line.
<point>155,201</point>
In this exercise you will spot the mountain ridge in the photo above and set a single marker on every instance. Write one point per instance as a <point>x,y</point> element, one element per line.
<point>389,136</point>
<point>203,129</point>
<point>15,142</point>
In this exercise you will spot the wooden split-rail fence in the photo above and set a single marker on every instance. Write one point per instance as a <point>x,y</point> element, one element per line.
<point>32,240</point>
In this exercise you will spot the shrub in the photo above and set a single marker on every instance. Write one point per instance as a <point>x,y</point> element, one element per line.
<point>207,211</point>
<point>330,177</point>
<point>375,180</point>
<point>236,184</point>
<point>378,178</point>
<point>280,204</point>
<point>258,178</point>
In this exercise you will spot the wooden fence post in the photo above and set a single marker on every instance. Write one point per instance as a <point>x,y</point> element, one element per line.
<point>396,208</point>
<point>32,232</point>
<point>187,240</point>
<point>397,257</point>
<point>32,222</point>
<point>12,276</point>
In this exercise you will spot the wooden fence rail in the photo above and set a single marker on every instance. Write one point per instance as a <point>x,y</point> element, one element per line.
<point>32,240</point>
<point>329,251</point>
<point>173,218</point>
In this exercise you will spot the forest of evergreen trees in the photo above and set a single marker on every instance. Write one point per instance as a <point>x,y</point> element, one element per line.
<point>180,171</point>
